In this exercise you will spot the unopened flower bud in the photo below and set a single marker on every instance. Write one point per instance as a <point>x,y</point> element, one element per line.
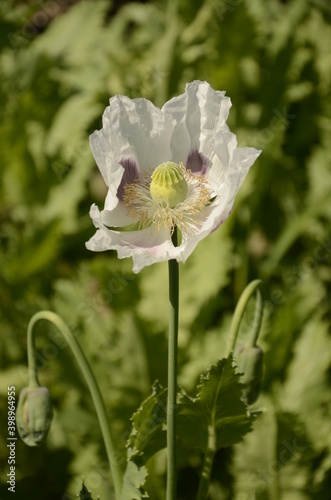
<point>34,415</point>
<point>250,365</point>
<point>168,184</point>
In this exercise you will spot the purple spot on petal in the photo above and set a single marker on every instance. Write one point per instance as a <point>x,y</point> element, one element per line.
<point>130,174</point>
<point>197,163</point>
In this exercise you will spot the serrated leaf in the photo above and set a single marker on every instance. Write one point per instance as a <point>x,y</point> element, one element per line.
<point>84,493</point>
<point>133,481</point>
<point>217,410</point>
<point>148,435</point>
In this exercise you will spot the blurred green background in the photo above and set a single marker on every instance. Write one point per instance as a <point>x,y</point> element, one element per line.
<point>60,62</point>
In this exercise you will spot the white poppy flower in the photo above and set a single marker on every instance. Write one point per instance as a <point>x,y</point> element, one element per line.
<point>175,166</point>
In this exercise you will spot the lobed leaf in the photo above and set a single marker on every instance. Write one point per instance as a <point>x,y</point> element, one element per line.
<point>148,434</point>
<point>134,480</point>
<point>218,410</point>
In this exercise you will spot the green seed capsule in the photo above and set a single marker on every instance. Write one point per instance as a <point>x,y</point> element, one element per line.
<point>250,365</point>
<point>34,415</point>
<point>168,184</point>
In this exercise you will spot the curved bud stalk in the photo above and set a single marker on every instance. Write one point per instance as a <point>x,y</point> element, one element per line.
<point>34,409</point>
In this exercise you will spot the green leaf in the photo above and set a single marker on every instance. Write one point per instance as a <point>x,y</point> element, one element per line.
<point>191,424</point>
<point>148,435</point>
<point>217,410</point>
<point>84,493</point>
<point>134,480</point>
<point>218,406</point>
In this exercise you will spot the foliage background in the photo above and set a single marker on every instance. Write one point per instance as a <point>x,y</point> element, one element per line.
<point>60,62</point>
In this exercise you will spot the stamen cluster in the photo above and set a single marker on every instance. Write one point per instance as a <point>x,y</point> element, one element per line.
<point>155,206</point>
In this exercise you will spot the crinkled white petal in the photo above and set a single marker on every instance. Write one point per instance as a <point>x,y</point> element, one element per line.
<point>199,113</point>
<point>146,246</point>
<point>244,158</point>
<point>131,127</point>
<point>233,173</point>
<point>115,179</point>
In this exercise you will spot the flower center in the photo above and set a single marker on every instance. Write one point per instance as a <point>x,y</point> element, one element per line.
<point>168,186</point>
<point>171,196</point>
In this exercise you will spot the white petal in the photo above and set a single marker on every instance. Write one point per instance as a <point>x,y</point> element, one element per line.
<point>233,174</point>
<point>117,217</point>
<point>145,247</point>
<point>115,178</point>
<point>132,127</point>
<point>243,159</point>
<point>199,113</point>
<point>106,159</point>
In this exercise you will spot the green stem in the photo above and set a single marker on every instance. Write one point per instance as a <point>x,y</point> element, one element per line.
<point>172,375</point>
<point>207,465</point>
<point>239,313</point>
<point>91,383</point>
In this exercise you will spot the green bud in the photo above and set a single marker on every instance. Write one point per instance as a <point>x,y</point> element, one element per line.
<point>168,184</point>
<point>34,415</point>
<point>250,365</point>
